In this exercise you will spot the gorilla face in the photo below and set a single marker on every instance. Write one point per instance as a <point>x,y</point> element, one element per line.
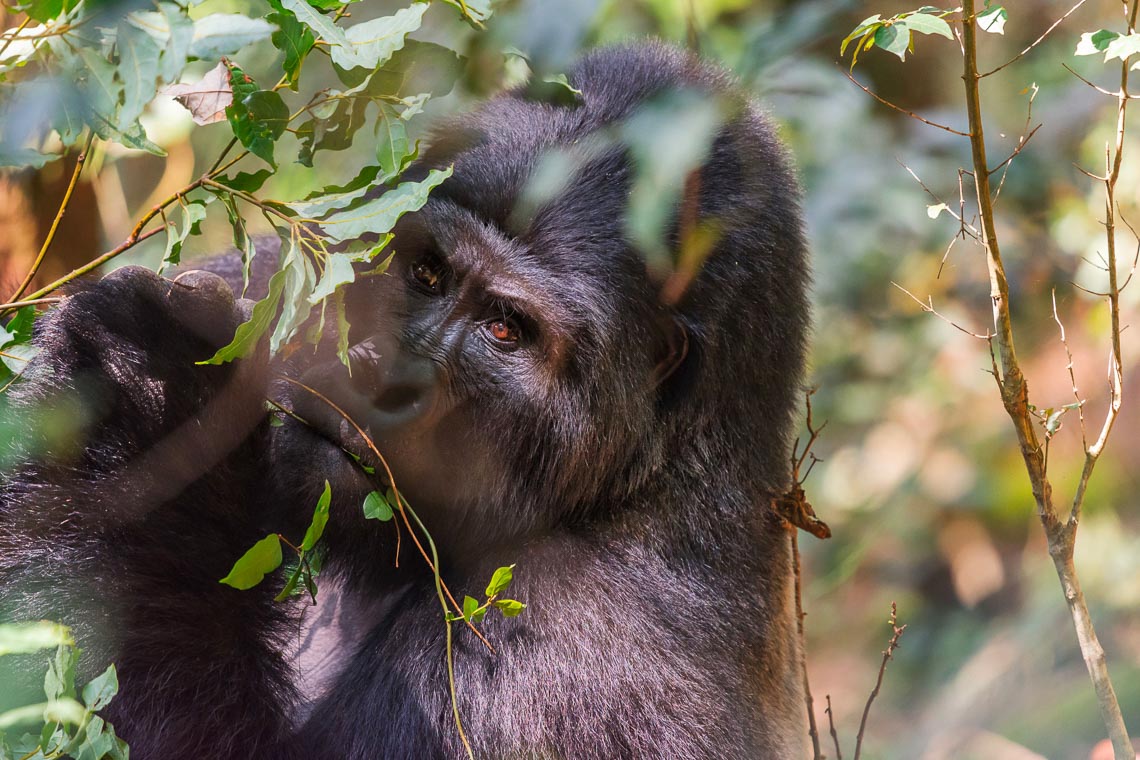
<point>491,370</point>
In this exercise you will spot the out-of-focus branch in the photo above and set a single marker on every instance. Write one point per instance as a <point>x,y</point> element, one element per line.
<point>79,162</point>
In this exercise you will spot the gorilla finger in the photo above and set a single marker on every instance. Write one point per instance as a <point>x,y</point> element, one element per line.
<point>203,303</point>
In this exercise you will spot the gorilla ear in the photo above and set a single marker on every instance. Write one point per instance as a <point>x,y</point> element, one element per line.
<point>674,348</point>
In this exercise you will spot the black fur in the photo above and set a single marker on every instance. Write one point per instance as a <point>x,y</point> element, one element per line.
<point>659,620</point>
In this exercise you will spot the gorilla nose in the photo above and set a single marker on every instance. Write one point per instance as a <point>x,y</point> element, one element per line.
<point>400,386</point>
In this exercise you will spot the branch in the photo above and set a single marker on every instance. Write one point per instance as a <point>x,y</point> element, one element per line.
<point>1036,42</point>
<point>834,734</point>
<point>928,307</point>
<point>1014,390</point>
<point>79,162</point>
<point>888,653</point>
<point>813,729</point>
<point>911,114</point>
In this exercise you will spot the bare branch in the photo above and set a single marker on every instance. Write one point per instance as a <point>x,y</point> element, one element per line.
<point>888,653</point>
<point>1072,375</point>
<point>79,162</point>
<point>928,307</point>
<point>911,114</point>
<point>1036,42</point>
<point>834,734</point>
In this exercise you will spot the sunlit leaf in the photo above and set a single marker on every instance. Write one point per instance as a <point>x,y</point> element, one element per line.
<point>262,558</point>
<point>320,518</point>
<point>378,216</point>
<point>509,607</point>
<point>500,580</point>
<point>23,638</point>
<point>992,19</point>
<point>1095,42</point>
<point>376,507</point>
<point>373,42</point>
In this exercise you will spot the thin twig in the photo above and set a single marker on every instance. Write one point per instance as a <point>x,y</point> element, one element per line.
<point>29,302</point>
<point>888,653</point>
<point>834,733</point>
<point>79,162</point>
<point>813,729</point>
<point>405,509</point>
<point>1072,373</point>
<point>928,307</point>
<point>911,114</point>
<point>1036,42</point>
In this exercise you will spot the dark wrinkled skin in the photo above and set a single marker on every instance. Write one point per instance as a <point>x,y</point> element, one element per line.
<point>634,501</point>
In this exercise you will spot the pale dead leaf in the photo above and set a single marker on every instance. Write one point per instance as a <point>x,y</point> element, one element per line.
<point>205,100</point>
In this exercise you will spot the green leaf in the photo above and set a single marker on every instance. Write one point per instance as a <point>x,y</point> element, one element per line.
<point>193,214</point>
<point>176,47</point>
<point>262,558</point>
<point>291,584</point>
<point>1095,42</point>
<point>894,38</point>
<point>509,607</point>
<point>379,215</point>
<point>338,271</point>
<point>373,42</point>
<point>300,279</point>
<point>258,118</point>
<point>246,182</point>
<point>863,28</point>
<point>320,518</point>
<point>295,40</point>
<point>99,691</point>
<point>376,507</point>
<point>222,34</point>
<point>470,604</point>
<point>927,24</point>
<point>1123,47</point>
<point>24,638</point>
<point>500,580</point>
<point>98,741</point>
<point>249,332</point>
<point>138,69</point>
<point>392,146</point>
<point>992,19</point>
<point>48,10</point>
<point>324,28</point>
<point>59,680</point>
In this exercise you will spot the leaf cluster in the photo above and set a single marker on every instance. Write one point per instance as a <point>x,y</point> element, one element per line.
<point>68,720</point>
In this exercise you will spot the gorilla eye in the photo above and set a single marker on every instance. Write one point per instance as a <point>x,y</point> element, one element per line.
<point>505,331</point>
<point>427,271</point>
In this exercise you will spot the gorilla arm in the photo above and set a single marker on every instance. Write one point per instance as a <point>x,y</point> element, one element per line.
<point>124,533</point>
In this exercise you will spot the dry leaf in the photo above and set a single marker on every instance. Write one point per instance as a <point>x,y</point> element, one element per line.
<point>206,100</point>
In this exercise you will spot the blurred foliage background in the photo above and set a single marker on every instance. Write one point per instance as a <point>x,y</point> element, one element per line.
<point>921,479</point>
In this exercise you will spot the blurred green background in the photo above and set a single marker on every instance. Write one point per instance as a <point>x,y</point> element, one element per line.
<point>921,481</point>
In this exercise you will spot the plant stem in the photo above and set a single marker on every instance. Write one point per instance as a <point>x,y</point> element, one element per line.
<point>1061,536</point>
<point>79,161</point>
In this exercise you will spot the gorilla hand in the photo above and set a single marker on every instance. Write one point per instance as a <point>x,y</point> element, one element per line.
<point>127,348</point>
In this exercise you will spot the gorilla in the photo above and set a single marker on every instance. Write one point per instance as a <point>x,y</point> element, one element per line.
<point>539,403</point>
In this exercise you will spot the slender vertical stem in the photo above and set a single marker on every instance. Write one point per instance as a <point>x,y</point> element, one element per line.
<point>79,161</point>
<point>1061,535</point>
